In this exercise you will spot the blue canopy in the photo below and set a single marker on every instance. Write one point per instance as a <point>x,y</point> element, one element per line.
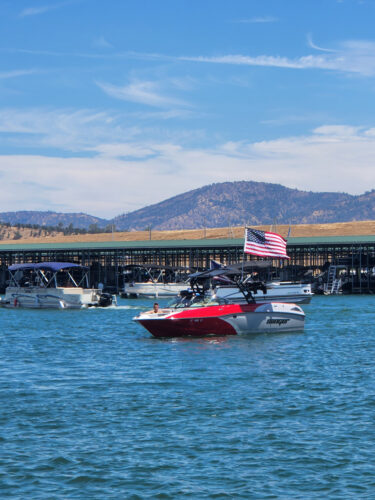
<point>47,266</point>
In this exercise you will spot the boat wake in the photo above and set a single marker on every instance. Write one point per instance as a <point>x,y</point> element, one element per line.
<point>117,308</point>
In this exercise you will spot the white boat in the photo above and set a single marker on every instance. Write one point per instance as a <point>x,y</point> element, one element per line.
<point>280,291</point>
<point>158,282</point>
<point>223,283</point>
<point>52,285</point>
<point>153,290</point>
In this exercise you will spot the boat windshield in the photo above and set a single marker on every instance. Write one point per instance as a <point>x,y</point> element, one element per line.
<point>193,300</point>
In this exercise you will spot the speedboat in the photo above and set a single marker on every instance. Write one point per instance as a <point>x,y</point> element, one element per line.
<point>52,285</point>
<point>198,314</point>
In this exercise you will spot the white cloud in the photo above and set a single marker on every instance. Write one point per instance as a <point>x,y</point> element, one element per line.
<point>128,174</point>
<point>102,43</point>
<point>85,131</point>
<point>42,9</point>
<point>125,150</point>
<point>287,118</point>
<point>339,131</point>
<point>316,47</point>
<point>356,57</point>
<point>64,129</point>
<point>352,57</point>
<point>306,62</point>
<point>142,92</point>
<point>33,11</point>
<point>4,75</point>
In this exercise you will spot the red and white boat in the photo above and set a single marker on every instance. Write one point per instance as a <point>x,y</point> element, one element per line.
<point>197,316</point>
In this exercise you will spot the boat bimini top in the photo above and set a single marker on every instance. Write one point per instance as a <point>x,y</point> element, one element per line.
<point>45,274</point>
<point>47,266</point>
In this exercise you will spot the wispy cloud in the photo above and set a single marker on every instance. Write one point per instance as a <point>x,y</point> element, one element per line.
<point>255,20</point>
<point>312,45</point>
<point>15,73</point>
<point>89,55</point>
<point>352,57</point>
<point>287,118</point>
<point>85,131</point>
<point>42,9</point>
<point>102,43</point>
<point>356,57</point>
<point>243,60</point>
<point>66,130</point>
<point>142,92</point>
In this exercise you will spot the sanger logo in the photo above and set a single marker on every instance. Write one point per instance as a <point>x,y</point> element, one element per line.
<point>271,321</point>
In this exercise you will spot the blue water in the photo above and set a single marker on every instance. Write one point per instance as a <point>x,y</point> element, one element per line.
<point>92,407</point>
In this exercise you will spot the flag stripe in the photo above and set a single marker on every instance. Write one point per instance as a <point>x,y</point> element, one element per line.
<point>265,244</point>
<point>264,250</point>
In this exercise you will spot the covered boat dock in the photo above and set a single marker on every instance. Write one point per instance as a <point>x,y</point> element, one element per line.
<point>351,257</point>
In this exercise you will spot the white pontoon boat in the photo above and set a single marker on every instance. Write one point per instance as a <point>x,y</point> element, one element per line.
<point>56,285</point>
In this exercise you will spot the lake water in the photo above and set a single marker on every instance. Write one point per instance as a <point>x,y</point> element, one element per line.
<point>92,407</point>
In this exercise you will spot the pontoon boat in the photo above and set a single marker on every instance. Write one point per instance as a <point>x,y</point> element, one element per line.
<point>56,285</point>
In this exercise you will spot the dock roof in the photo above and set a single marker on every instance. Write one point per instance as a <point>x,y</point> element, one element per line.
<point>193,243</point>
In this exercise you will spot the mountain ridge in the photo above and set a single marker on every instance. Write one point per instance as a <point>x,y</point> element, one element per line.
<point>220,205</point>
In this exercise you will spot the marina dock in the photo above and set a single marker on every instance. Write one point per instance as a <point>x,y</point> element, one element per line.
<point>350,259</point>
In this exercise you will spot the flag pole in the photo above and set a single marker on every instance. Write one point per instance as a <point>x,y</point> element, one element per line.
<point>289,231</point>
<point>243,255</point>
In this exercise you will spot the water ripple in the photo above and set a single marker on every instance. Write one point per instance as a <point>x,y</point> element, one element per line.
<point>93,407</point>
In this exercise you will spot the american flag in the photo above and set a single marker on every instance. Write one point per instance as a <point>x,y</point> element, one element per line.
<point>265,244</point>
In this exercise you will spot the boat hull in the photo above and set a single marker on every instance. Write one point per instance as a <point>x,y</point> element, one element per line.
<point>153,290</point>
<point>230,319</point>
<point>291,293</point>
<point>49,298</point>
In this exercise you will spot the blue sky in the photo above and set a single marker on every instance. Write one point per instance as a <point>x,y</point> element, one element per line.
<point>108,106</point>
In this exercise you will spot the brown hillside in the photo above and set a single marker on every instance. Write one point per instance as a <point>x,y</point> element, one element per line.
<point>334,229</point>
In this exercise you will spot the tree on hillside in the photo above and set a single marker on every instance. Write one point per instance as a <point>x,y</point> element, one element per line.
<point>93,229</point>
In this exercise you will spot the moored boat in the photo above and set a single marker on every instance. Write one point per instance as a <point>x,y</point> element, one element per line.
<point>152,290</point>
<point>153,281</point>
<point>52,285</point>
<point>222,283</point>
<point>297,293</point>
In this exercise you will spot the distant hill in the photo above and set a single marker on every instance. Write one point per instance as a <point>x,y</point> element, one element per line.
<point>51,219</point>
<point>239,203</point>
<point>220,205</point>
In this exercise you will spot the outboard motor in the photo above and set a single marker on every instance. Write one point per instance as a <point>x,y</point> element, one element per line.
<point>105,300</point>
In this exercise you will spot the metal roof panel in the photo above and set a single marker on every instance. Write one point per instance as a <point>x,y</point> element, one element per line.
<point>158,244</point>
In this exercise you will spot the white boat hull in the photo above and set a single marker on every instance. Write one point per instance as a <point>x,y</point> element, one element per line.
<point>294,293</point>
<point>269,318</point>
<point>154,290</point>
<point>49,298</point>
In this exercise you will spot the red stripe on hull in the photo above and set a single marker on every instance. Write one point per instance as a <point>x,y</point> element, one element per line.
<point>213,311</point>
<point>198,327</point>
